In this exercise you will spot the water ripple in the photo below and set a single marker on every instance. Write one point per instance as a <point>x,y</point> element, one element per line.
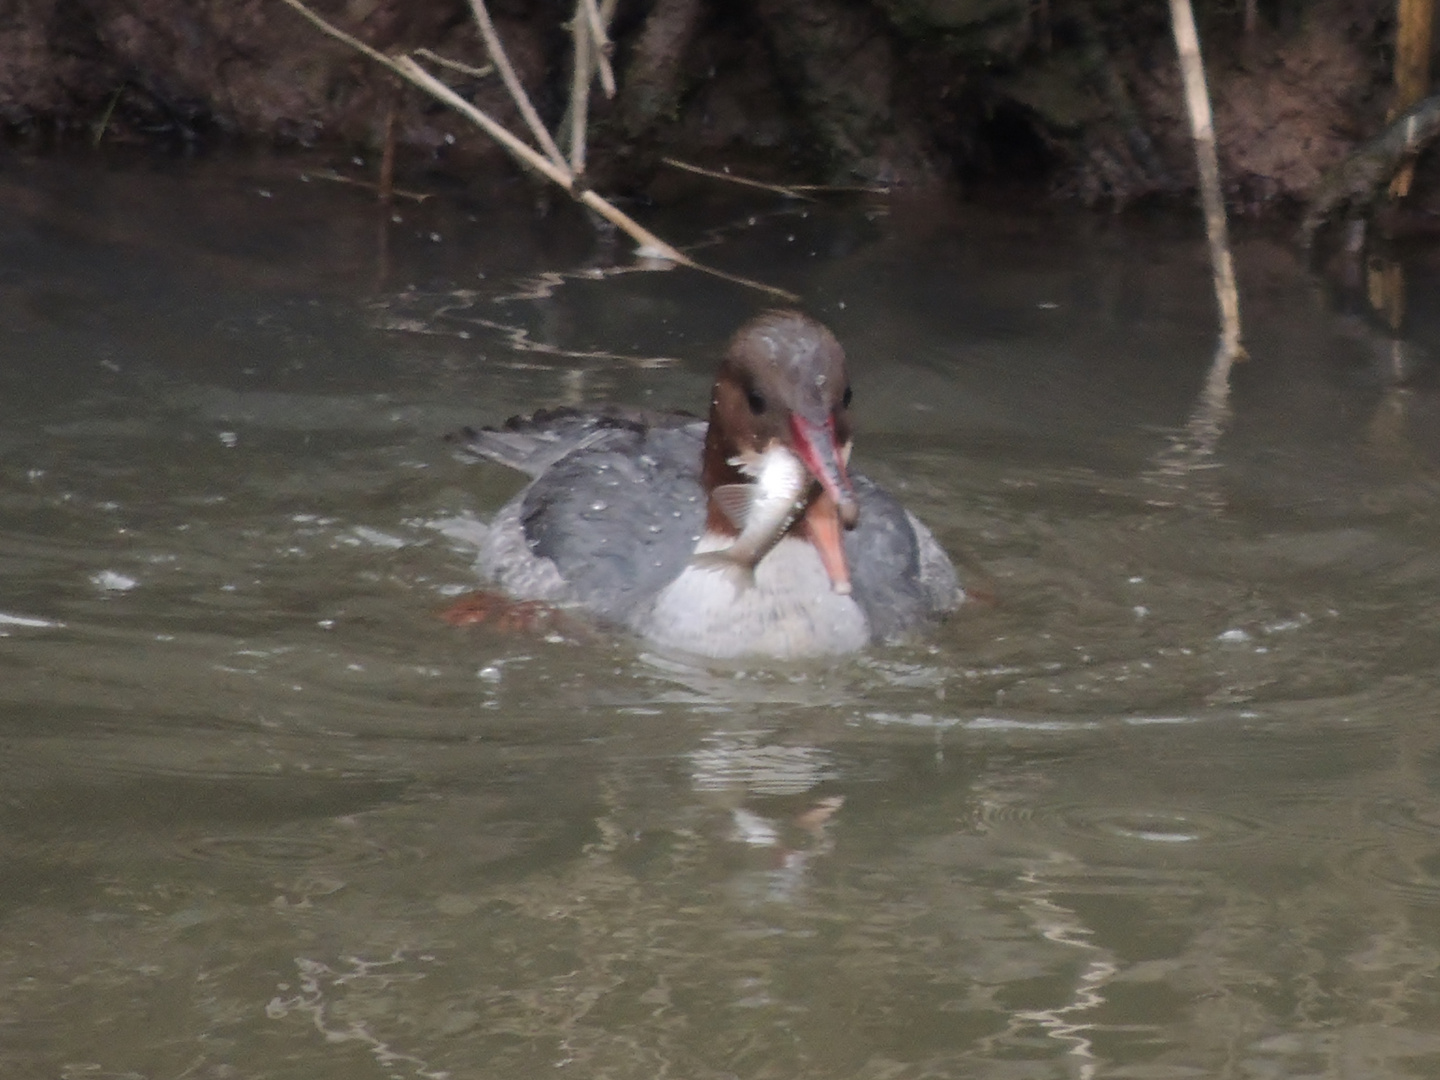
<point>1129,828</point>
<point>257,850</point>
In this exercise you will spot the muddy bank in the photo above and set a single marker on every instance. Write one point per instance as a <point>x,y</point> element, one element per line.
<point>1077,99</point>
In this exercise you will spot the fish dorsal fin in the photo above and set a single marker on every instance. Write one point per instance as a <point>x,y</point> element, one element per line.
<point>735,501</point>
<point>748,462</point>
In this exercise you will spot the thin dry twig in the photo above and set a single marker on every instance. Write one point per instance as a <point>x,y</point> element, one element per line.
<point>559,175</point>
<point>867,189</point>
<point>455,65</point>
<point>552,167</point>
<point>496,50</point>
<point>579,90</point>
<point>573,127</point>
<point>407,67</point>
<point>1413,37</point>
<point>597,22</point>
<point>106,115</point>
<point>779,189</point>
<point>341,178</point>
<point>1197,97</point>
<point>607,16</point>
<point>340,35</point>
<point>792,191</point>
<point>650,244</point>
<point>740,279</point>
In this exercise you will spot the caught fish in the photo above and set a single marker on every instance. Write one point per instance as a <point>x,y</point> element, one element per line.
<point>762,511</point>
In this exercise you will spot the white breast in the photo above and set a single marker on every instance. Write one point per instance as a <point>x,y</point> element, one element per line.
<point>791,611</point>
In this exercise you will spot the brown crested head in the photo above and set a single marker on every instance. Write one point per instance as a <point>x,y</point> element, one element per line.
<point>783,380</point>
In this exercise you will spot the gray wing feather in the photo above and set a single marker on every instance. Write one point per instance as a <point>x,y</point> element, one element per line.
<point>899,574</point>
<point>620,517</point>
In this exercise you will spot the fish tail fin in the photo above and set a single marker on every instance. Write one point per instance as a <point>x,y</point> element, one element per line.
<point>740,575</point>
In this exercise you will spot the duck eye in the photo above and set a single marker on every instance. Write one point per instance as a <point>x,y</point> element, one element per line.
<point>756,402</point>
<point>845,401</point>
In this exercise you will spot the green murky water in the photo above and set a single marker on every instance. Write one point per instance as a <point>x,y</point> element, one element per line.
<point>1164,803</point>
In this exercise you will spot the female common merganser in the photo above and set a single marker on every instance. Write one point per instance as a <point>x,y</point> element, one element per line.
<point>725,539</point>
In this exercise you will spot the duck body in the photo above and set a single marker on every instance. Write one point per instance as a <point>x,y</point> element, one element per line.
<point>620,505</point>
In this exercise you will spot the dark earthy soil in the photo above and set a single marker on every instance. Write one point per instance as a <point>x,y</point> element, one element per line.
<point>1067,97</point>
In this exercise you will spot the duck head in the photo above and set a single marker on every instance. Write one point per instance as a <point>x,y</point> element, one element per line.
<point>783,380</point>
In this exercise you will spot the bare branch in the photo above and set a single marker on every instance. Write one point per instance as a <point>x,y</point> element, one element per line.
<point>779,189</point>
<point>340,178</point>
<point>550,164</point>
<point>412,71</point>
<point>603,47</point>
<point>1202,130</point>
<point>455,65</point>
<point>340,35</point>
<point>561,176</point>
<point>579,90</point>
<point>512,83</point>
